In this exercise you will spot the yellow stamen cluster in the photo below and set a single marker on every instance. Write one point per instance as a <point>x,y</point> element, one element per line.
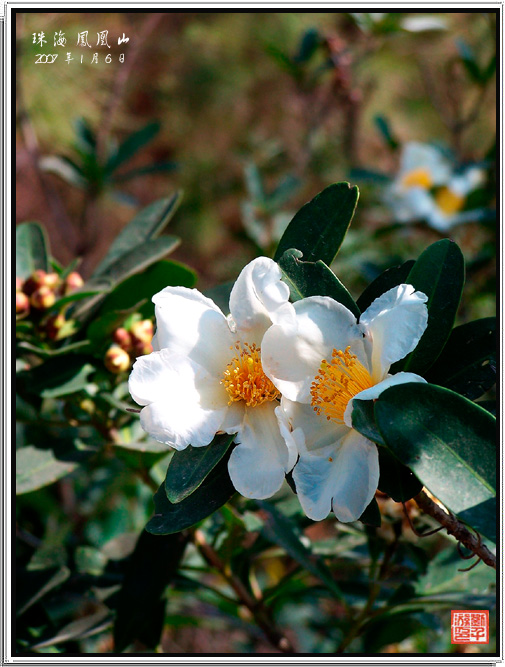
<point>419,177</point>
<point>244,379</point>
<point>336,383</point>
<point>448,201</point>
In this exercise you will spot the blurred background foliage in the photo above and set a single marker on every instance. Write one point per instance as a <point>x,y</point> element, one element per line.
<point>250,114</point>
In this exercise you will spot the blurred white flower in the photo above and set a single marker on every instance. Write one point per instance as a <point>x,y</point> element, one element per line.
<point>321,362</point>
<point>427,188</point>
<point>205,376</point>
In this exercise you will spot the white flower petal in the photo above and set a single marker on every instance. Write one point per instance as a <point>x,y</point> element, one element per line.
<point>259,298</point>
<point>309,430</point>
<point>377,389</point>
<point>258,464</point>
<point>342,477</point>
<point>394,323</point>
<point>234,417</point>
<point>190,324</point>
<point>291,354</point>
<point>416,155</point>
<point>183,403</point>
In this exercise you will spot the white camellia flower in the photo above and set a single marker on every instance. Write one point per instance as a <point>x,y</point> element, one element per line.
<point>205,376</point>
<point>320,364</point>
<point>427,188</point>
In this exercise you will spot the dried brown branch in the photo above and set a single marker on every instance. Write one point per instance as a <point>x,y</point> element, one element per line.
<point>258,610</point>
<point>454,527</point>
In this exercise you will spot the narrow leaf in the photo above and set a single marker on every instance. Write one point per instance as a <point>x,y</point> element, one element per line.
<point>31,249</point>
<point>146,225</point>
<point>320,226</point>
<point>131,145</point>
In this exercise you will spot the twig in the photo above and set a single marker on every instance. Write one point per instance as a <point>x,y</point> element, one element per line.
<point>256,607</point>
<point>456,528</point>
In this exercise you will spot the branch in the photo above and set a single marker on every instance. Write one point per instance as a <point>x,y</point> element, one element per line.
<point>256,607</point>
<point>456,528</point>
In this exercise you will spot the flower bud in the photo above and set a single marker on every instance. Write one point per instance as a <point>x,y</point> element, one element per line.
<point>122,338</point>
<point>19,284</point>
<point>53,326</point>
<point>73,282</point>
<point>43,298</point>
<point>22,304</point>
<point>142,348</point>
<point>51,280</point>
<point>35,281</point>
<point>142,331</point>
<point>116,359</point>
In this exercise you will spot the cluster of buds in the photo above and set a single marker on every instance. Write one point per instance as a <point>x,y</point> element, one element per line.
<point>40,291</point>
<point>130,341</point>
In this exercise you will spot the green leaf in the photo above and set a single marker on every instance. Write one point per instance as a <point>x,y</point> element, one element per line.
<point>384,128</point>
<point>396,275</point>
<point>132,145</point>
<point>47,353</point>
<point>469,61</point>
<point>132,262</point>
<point>36,468</point>
<point>308,45</point>
<point>75,296</point>
<point>189,468</point>
<point>155,168</point>
<point>146,225</point>
<point>282,531</point>
<point>396,480</point>
<point>41,581</point>
<point>56,377</point>
<point>143,287</point>
<point>212,494</point>
<point>31,249</point>
<point>320,226</point>
<point>440,274</point>
<point>449,443</point>
<point>372,515</point>
<point>444,575</point>
<point>140,608</point>
<point>467,364</point>
<point>87,626</point>
<point>312,279</point>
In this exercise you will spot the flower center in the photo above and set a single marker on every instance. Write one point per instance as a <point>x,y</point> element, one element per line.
<point>336,383</point>
<point>244,379</point>
<point>419,177</point>
<point>448,201</point>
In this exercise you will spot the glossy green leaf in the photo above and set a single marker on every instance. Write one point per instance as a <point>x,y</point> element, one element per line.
<point>281,530</point>
<point>449,443</point>
<point>142,287</point>
<point>140,608</point>
<point>212,494</point>
<point>131,145</point>
<point>397,275</point>
<point>76,296</point>
<point>444,575</point>
<point>87,626</point>
<point>31,249</point>
<point>313,278</point>
<point>396,480</point>
<point>189,468</point>
<point>440,274</point>
<point>372,515</point>
<point>320,226</point>
<point>146,225</point>
<point>48,353</point>
<point>36,468</point>
<point>467,364</point>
